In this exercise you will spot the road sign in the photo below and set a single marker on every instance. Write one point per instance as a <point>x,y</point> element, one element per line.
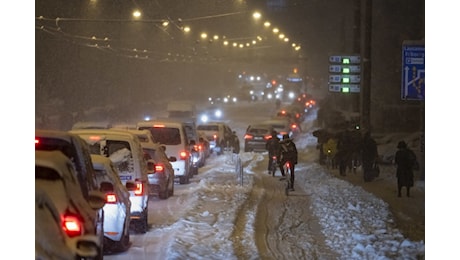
<point>353,88</point>
<point>345,73</point>
<point>413,71</point>
<point>345,59</point>
<point>344,78</point>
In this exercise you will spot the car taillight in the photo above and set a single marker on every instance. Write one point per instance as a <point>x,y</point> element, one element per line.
<point>110,198</point>
<point>72,225</point>
<point>294,126</point>
<point>267,137</point>
<point>248,136</point>
<point>183,155</point>
<point>139,191</point>
<point>37,141</point>
<point>159,168</point>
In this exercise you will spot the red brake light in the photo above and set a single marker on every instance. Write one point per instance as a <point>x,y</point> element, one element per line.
<point>159,168</point>
<point>111,198</point>
<point>267,137</point>
<point>294,126</point>
<point>71,225</point>
<point>139,191</point>
<point>37,141</point>
<point>183,155</point>
<point>247,136</point>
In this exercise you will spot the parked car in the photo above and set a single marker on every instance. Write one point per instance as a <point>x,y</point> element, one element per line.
<point>55,234</point>
<point>117,208</point>
<point>256,137</point>
<point>55,176</point>
<point>125,151</point>
<point>219,135</point>
<point>172,134</point>
<point>77,150</point>
<point>160,170</point>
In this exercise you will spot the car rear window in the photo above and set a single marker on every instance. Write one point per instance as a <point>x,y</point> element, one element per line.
<point>45,173</point>
<point>258,131</point>
<point>165,135</point>
<point>208,127</point>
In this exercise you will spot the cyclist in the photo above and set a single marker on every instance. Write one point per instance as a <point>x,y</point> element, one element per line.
<point>288,154</point>
<point>273,147</point>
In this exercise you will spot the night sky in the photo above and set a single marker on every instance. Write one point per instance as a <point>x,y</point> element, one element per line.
<point>69,67</point>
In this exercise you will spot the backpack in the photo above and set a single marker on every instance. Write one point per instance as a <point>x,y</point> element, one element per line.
<point>288,150</point>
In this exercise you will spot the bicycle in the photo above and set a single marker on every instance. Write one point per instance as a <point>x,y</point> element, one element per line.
<point>329,159</point>
<point>273,166</point>
<point>287,172</point>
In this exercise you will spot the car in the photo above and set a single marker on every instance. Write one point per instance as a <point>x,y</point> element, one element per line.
<point>55,234</point>
<point>256,137</point>
<point>210,114</point>
<point>219,134</point>
<point>55,176</point>
<point>160,170</point>
<point>281,125</point>
<point>172,134</point>
<point>125,151</point>
<point>117,208</point>
<point>77,150</point>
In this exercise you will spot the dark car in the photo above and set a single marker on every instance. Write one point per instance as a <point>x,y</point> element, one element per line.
<point>256,137</point>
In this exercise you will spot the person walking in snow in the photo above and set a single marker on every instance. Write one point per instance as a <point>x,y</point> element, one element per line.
<point>369,156</point>
<point>405,160</point>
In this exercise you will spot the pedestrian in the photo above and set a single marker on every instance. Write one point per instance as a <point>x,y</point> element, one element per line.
<point>405,161</point>
<point>273,148</point>
<point>288,154</point>
<point>235,143</point>
<point>369,155</point>
<point>344,151</point>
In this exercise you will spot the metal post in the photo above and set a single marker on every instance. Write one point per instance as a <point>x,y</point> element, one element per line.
<point>366,29</point>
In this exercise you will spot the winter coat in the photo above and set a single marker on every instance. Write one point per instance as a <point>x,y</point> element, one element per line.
<point>331,145</point>
<point>405,160</point>
<point>287,146</point>
<point>273,147</point>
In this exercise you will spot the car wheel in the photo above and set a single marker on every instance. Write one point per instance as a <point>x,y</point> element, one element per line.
<point>164,194</point>
<point>171,191</point>
<point>123,244</point>
<point>142,225</point>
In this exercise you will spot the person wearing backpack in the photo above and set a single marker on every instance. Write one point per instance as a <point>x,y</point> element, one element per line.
<point>288,153</point>
<point>405,160</point>
<point>273,148</point>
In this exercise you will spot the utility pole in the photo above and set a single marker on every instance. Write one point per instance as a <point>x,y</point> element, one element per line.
<point>365,52</point>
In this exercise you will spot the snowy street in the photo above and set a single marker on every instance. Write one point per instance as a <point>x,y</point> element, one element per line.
<point>215,217</point>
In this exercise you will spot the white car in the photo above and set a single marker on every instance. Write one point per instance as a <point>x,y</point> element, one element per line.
<point>161,172</point>
<point>55,176</point>
<point>125,151</point>
<point>219,135</point>
<point>54,233</point>
<point>117,208</point>
<point>171,134</point>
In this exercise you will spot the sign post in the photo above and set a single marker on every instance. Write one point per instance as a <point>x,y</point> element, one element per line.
<point>345,74</point>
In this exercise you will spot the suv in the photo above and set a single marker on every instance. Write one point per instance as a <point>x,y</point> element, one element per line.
<point>160,170</point>
<point>76,149</point>
<point>219,135</point>
<point>125,151</point>
<point>171,133</point>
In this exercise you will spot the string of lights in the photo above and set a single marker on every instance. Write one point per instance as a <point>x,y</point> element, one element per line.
<point>114,46</point>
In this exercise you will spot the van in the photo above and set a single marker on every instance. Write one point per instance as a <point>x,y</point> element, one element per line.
<point>172,134</point>
<point>125,151</point>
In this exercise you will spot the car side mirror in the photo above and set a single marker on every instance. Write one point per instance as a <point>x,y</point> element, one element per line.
<point>150,165</point>
<point>96,199</point>
<point>130,185</point>
<point>106,186</point>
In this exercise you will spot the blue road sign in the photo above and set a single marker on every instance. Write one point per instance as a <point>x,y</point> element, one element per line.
<point>413,71</point>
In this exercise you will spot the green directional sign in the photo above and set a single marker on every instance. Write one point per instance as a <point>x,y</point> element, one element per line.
<point>345,73</point>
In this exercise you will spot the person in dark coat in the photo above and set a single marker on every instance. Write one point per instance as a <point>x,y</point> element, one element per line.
<point>288,151</point>
<point>405,160</point>
<point>344,151</point>
<point>369,156</point>
<point>273,148</point>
